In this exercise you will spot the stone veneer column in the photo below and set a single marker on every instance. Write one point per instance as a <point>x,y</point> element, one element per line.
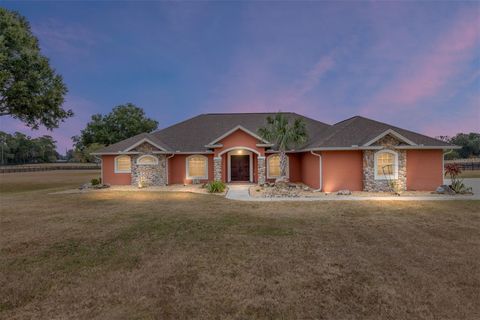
<point>261,170</point>
<point>217,168</point>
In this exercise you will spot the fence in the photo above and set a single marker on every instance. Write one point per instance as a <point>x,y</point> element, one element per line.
<point>12,169</point>
<point>466,164</point>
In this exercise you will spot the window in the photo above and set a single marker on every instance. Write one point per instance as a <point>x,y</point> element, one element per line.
<point>147,160</point>
<point>122,164</point>
<point>273,166</point>
<point>197,167</point>
<point>386,165</point>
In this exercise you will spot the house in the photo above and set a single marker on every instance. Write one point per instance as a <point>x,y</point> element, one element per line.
<point>355,154</point>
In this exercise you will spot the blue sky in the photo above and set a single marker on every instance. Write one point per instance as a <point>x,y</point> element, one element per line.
<point>415,65</point>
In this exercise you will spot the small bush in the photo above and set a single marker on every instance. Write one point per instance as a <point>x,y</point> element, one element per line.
<point>453,170</point>
<point>96,182</point>
<point>216,187</point>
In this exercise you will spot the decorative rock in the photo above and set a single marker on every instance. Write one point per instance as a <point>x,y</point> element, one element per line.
<point>444,189</point>
<point>344,192</point>
<point>85,186</point>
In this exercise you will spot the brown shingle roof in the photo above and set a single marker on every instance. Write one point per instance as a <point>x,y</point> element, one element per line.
<point>125,144</point>
<point>359,130</point>
<point>193,134</point>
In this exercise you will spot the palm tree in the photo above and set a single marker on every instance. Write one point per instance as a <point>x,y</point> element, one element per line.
<point>284,135</point>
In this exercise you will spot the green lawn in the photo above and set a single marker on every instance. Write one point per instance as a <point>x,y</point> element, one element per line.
<point>149,255</point>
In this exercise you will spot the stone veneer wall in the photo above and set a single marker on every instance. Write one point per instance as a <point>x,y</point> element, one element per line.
<point>149,175</point>
<point>369,183</point>
<point>261,170</point>
<point>217,168</point>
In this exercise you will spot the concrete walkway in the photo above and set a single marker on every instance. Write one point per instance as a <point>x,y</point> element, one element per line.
<point>241,193</point>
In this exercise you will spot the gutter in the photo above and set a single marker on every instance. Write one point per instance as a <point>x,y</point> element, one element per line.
<point>101,166</point>
<point>320,171</point>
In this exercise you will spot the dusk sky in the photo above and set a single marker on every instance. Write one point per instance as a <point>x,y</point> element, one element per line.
<point>414,65</point>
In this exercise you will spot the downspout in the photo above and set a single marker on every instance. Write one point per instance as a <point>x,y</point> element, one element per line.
<point>320,171</point>
<point>166,167</point>
<point>101,167</point>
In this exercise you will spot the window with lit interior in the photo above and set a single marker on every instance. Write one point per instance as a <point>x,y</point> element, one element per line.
<point>147,160</point>
<point>123,164</point>
<point>197,167</point>
<point>386,165</point>
<point>273,166</point>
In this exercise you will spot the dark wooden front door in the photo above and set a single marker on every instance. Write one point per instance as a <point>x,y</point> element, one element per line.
<point>240,168</point>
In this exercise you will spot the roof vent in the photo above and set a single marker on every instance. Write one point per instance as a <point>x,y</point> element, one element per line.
<point>354,145</point>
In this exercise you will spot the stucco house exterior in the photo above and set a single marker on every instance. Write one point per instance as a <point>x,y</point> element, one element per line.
<point>355,154</point>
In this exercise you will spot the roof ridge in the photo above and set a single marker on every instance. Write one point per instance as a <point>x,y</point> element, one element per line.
<point>351,118</point>
<point>177,123</point>
<point>336,130</point>
<point>230,113</point>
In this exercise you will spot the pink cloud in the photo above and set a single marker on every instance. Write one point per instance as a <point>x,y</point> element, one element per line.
<point>308,82</point>
<point>253,87</point>
<point>429,73</point>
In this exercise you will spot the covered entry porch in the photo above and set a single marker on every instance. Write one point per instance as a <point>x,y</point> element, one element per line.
<point>240,164</point>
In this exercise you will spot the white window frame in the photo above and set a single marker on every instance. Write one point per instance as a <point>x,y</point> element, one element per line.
<point>395,166</point>
<point>268,166</point>
<point>147,156</point>
<point>115,164</point>
<point>205,176</point>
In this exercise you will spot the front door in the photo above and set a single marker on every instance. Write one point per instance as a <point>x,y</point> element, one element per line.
<point>240,168</point>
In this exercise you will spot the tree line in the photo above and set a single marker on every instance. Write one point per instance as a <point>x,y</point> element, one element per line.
<point>19,148</point>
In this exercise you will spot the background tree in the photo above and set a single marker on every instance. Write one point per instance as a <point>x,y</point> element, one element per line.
<point>123,122</point>
<point>470,143</point>
<point>284,135</point>
<point>20,148</point>
<point>30,90</point>
<point>85,154</point>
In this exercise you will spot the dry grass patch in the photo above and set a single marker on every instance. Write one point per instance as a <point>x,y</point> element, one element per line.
<point>34,181</point>
<point>470,174</point>
<point>147,255</point>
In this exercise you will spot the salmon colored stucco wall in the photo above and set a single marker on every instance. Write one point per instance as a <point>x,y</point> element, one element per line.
<point>108,173</point>
<point>342,170</point>
<point>424,169</point>
<point>239,138</point>
<point>310,170</point>
<point>177,167</point>
<point>294,166</point>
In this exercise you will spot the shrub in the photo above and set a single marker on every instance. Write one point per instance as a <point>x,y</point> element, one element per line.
<point>96,182</point>
<point>453,170</point>
<point>216,187</point>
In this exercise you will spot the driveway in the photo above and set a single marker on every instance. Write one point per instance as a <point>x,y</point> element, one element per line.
<point>471,182</point>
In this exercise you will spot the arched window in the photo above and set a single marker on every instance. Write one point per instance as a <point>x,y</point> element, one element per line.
<point>197,167</point>
<point>147,160</point>
<point>123,164</point>
<point>273,166</point>
<point>386,165</point>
